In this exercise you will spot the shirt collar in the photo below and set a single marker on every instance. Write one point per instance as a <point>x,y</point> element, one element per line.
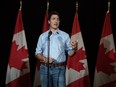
<point>57,31</point>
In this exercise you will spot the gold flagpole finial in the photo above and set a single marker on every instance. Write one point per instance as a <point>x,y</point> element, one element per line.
<point>20,4</point>
<point>47,4</point>
<point>108,6</point>
<point>77,6</point>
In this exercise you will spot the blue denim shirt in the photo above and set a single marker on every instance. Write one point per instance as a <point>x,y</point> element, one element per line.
<point>59,44</point>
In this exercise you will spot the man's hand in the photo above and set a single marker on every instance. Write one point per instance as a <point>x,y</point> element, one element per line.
<point>74,45</point>
<point>51,60</point>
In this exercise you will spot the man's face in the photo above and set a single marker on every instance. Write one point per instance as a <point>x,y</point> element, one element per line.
<point>54,22</point>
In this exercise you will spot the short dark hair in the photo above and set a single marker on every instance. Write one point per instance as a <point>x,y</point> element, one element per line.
<point>53,13</point>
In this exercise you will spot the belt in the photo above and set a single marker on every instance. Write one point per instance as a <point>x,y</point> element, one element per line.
<point>54,64</point>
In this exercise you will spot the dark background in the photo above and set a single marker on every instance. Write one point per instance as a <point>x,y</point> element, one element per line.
<point>91,15</point>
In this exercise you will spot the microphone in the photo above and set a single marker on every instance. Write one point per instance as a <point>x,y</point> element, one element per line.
<point>57,32</point>
<point>49,34</point>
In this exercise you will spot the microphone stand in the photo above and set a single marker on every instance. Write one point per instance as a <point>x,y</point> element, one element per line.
<point>49,34</point>
<point>48,58</point>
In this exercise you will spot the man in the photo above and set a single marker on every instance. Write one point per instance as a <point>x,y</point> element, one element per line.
<point>51,50</point>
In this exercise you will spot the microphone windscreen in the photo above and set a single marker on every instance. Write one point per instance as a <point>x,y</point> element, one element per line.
<point>49,34</point>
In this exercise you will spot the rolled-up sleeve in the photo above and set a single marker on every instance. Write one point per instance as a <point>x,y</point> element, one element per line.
<point>39,46</point>
<point>68,45</point>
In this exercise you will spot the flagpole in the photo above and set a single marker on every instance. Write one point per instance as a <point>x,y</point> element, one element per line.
<point>16,75</point>
<point>82,74</point>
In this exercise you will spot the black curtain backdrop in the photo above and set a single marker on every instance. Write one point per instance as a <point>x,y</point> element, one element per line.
<point>91,18</point>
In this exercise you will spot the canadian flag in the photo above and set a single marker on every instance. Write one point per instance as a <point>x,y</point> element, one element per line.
<point>37,74</point>
<point>18,70</point>
<point>77,74</point>
<point>105,71</point>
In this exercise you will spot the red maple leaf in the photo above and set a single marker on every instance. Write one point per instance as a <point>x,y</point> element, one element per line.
<point>104,61</point>
<point>17,56</point>
<point>74,62</point>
